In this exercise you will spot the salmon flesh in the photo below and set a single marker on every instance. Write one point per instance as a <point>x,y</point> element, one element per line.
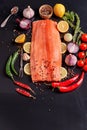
<point>45,56</point>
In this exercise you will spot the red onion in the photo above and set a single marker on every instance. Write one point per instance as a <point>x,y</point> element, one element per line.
<point>24,23</point>
<point>71,60</point>
<point>72,47</point>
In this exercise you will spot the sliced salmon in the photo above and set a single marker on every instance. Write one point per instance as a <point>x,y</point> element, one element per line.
<point>46,58</point>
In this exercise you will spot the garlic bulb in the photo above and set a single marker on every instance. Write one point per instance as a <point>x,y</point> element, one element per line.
<point>71,60</point>
<point>28,12</point>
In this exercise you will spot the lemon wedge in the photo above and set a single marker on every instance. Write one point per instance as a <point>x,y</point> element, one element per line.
<point>27,46</point>
<point>20,38</point>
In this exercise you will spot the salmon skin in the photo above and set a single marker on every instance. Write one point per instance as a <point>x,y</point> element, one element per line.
<point>46,57</point>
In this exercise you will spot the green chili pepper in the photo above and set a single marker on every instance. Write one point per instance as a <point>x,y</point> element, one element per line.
<point>14,58</point>
<point>8,69</point>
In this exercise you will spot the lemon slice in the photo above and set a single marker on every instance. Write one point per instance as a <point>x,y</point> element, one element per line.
<point>27,69</point>
<point>20,38</point>
<point>59,10</point>
<point>63,72</point>
<point>62,26</point>
<point>63,47</point>
<point>27,46</point>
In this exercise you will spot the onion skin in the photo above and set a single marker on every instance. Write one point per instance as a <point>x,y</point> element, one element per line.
<point>71,60</point>
<point>72,47</point>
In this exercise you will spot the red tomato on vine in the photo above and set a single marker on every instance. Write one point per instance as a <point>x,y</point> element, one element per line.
<point>84,37</point>
<point>83,46</point>
<point>80,63</point>
<point>85,68</point>
<point>81,54</point>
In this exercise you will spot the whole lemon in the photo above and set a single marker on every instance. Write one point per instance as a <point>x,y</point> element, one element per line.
<point>59,10</point>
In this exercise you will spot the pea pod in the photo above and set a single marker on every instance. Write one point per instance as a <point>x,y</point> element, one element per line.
<point>14,58</point>
<point>8,69</point>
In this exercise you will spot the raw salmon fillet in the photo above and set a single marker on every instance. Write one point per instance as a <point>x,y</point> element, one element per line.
<point>46,58</point>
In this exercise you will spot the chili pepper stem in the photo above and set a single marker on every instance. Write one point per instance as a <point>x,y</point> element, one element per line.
<point>13,79</point>
<point>32,97</point>
<point>32,91</point>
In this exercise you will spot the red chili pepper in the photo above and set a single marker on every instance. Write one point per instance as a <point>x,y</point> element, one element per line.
<point>24,93</point>
<point>73,86</point>
<point>24,86</point>
<point>66,82</point>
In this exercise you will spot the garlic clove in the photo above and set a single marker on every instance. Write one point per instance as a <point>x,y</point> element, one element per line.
<point>26,57</point>
<point>28,12</point>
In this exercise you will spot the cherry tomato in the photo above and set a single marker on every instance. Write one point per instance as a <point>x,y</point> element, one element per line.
<point>80,63</point>
<point>86,61</point>
<point>83,46</point>
<point>85,68</point>
<point>81,55</point>
<point>84,37</point>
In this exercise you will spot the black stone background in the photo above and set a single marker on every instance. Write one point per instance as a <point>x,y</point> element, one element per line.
<point>51,110</point>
